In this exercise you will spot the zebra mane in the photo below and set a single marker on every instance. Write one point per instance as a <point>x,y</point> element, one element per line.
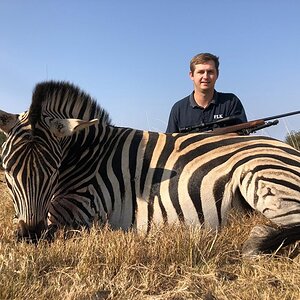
<point>64,100</point>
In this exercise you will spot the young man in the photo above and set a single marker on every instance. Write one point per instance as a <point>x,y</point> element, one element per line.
<point>205,104</point>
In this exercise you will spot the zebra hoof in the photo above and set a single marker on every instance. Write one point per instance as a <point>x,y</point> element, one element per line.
<point>258,241</point>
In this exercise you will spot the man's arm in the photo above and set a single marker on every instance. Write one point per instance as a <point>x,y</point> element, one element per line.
<point>237,109</point>
<point>172,123</point>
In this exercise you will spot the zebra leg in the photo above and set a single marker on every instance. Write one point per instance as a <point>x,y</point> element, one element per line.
<point>275,194</point>
<point>265,239</point>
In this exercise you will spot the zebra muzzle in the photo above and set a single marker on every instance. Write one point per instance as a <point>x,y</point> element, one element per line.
<point>30,233</point>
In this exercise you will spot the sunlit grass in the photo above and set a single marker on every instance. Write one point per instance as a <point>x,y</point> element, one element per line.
<point>293,139</point>
<point>169,263</point>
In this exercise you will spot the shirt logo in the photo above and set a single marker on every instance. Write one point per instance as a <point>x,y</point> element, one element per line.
<point>218,116</point>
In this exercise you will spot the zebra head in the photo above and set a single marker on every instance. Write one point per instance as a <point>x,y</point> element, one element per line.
<point>32,155</point>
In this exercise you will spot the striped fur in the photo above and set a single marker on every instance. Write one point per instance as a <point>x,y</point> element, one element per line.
<point>131,178</point>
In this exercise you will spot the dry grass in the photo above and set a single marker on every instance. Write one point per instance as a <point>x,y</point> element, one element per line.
<point>170,263</point>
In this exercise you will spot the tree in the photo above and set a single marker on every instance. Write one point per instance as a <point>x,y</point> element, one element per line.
<point>293,139</point>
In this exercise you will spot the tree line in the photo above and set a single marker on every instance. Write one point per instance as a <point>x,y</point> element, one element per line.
<point>293,139</point>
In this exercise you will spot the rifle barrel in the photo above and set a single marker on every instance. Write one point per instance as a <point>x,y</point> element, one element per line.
<point>282,115</point>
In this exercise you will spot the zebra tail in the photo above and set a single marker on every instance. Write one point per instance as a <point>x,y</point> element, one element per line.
<point>266,239</point>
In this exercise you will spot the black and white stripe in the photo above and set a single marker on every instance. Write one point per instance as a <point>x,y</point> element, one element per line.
<point>81,172</point>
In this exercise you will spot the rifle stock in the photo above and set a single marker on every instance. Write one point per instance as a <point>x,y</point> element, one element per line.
<point>242,129</point>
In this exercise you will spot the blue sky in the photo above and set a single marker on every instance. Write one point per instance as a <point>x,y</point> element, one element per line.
<point>133,56</point>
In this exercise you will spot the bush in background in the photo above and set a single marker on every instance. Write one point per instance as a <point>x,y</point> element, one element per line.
<point>293,139</point>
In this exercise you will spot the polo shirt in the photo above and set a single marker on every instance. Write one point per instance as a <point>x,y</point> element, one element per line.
<point>187,113</point>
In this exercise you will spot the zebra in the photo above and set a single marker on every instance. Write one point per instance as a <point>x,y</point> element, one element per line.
<point>67,165</point>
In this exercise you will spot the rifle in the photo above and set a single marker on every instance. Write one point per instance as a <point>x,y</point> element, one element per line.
<point>209,125</point>
<point>241,129</point>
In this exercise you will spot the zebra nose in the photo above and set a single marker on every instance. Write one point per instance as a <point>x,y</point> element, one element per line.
<point>30,233</point>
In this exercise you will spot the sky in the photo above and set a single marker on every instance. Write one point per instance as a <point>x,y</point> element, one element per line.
<point>133,56</point>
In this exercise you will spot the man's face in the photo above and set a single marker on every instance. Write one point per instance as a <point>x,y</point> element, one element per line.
<point>204,76</point>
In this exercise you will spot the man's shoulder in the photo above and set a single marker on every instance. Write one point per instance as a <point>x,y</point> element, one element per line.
<point>182,102</point>
<point>225,97</point>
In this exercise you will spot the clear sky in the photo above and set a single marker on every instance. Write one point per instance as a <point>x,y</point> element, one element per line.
<point>133,56</point>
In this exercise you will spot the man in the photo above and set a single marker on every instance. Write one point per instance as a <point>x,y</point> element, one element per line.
<point>205,104</point>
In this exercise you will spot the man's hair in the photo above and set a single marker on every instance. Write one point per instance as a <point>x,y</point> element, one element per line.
<point>204,58</point>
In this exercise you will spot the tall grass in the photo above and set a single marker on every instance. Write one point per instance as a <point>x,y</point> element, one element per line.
<point>293,139</point>
<point>171,262</point>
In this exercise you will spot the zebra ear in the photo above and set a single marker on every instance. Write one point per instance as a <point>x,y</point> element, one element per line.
<point>66,127</point>
<point>7,121</point>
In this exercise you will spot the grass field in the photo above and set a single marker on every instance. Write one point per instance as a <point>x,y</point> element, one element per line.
<point>169,263</point>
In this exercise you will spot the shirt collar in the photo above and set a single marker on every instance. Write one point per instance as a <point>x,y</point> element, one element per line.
<point>194,104</point>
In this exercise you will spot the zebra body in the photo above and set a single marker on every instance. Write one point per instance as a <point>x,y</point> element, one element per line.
<point>67,165</point>
<point>147,188</point>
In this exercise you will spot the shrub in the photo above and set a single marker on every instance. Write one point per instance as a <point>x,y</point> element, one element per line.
<point>293,139</point>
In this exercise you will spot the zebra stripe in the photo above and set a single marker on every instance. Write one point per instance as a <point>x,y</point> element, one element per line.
<point>61,164</point>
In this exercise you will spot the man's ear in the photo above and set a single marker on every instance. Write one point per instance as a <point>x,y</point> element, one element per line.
<point>66,127</point>
<point>7,121</point>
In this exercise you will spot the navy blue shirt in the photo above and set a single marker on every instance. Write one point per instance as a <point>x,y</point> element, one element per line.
<point>186,112</point>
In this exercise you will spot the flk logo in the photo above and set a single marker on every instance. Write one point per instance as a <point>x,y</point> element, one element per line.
<point>217,117</point>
